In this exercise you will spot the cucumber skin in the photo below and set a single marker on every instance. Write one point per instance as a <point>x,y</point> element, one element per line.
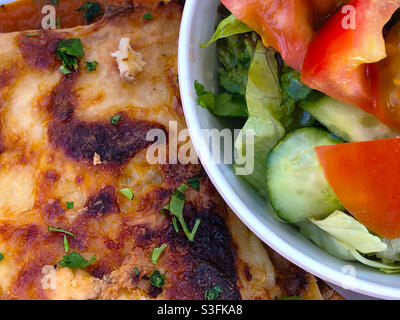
<point>307,194</point>
<point>346,121</point>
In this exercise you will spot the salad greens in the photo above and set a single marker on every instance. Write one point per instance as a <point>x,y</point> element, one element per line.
<point>263,100</point>
<point>228,27</point>
<point>223,105</point>
<point>257,85</point>
<point>352,233</point>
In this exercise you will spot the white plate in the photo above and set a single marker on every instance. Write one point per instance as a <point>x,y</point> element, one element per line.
<point>198,24</point>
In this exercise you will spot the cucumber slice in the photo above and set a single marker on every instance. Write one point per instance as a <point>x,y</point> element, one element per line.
<point>346,121</point>
<point>296,184</point>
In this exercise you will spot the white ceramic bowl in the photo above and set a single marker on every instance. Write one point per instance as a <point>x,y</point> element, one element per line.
<point>198,24</point>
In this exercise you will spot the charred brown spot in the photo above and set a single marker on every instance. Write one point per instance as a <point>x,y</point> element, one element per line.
<point>102,203</point>
<point>247,273</point>
<point>52,211</point>
<point>175,174</point>
<point>290,278</point>
<point>63,100</point>
<point>154,292</point>
<point>115,144</point>
<point>6,76</point>
<point>39,51</point>
<point>100,270</point>
<point>194,267</point>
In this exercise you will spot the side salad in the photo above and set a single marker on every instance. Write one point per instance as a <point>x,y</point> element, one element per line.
<point>323,105</point>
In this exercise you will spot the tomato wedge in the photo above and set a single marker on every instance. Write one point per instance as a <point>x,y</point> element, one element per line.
<point>337,58</point>
<point>286,25</point>
<point>365,177</point>
<point>385,81</point>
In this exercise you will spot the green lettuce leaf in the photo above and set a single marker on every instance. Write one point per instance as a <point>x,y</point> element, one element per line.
<point>228,27</point>
<point>387,268</point>
<point>223,105</point>
<point>392,253</point>
<point>263,103</point>
<point>326,242</point>
<point>348,230</point>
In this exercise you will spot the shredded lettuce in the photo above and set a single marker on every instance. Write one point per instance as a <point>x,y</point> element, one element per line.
<point>228,27</point>
<point>263,102</point>
<point>375,264</point>
<point>348,230</point>
<point>326,242</point>
<point>345,238</point>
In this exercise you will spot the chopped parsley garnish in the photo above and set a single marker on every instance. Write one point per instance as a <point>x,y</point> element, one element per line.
<point>69,51</point>
<point>148,16</point>
<point>91,65</point>
<point>90,10</point>
<point>33,34</point>
<point>55,1</point>
<point>175,224</point>
<point>194,183</point>
<point>66,244</point>
<point>175,206</point>
<point>292,298</point>
<point>1,256</point>
<point>74,260</point>
<point>157,279</point>
<point>50,228</point>
<point>136,270</point>
<point>70,205</point>
<point>213,293</point>
<point>127,192</point>
<point>115,119</point>
<point>157,253</point>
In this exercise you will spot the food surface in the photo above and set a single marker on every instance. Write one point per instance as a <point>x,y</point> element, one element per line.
<point>84,215</point>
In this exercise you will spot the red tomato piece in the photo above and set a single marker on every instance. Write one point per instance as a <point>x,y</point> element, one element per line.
<point>365,177</point>
<point>337,58</point>
<point>286,25</point>
<point>385,81</point>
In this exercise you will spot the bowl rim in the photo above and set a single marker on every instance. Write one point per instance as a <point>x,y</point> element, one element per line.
<point>266,234</point>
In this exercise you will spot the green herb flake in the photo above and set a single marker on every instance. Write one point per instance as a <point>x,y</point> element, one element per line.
<point>136,270</point>
<point>175,207</point>
<point>292,298</point>
<point>74,260</point>
<point>58,23</point>
<point>69,51</point>
<point>33,34</point>
<point>1,256</point>
<point>91,65</point>
<point>115,119</point>
<point>194,183</point>
<point>148,16</point>
<point>157,279</point>
<point>56,2</point>
<point>157,253</point>
<point>66,244</point>
<point>127,192</point>
<point>90,11</point>
<point>175,224</point>
<point>70,205</point>
<point>213,293</point>
<point>50,228</point>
